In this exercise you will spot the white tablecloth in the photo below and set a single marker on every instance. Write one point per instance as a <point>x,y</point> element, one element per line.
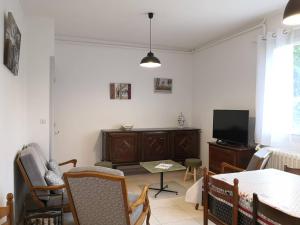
<point>274,187</point>
<point>194,193</point>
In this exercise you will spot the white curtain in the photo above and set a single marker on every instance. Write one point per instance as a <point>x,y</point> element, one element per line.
<point>274,99</point>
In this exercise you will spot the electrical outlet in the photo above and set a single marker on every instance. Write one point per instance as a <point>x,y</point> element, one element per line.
<point>43,121</point>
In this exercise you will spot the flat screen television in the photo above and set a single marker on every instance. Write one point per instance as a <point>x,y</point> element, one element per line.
<point>231,126</point>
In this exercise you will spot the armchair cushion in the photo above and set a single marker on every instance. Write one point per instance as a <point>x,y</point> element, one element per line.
<point>138,211</point>
<point>56,200</point>
<point>53,165</point>
<point>35,169</point>
<point>53,179</point>
<point>39,151</point>
<point>259,160</point>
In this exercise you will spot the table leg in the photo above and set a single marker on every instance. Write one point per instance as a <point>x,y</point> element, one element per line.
<point>162,187</point>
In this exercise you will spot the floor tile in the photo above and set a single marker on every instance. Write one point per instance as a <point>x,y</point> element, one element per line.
<point>170,214</point>
<point>185,222</point>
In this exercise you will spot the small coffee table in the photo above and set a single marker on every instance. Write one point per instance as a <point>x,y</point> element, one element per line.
<point>150,166</point>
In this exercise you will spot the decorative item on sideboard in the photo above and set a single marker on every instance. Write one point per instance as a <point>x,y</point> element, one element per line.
<point>181,120</point>
<point>126,126</point>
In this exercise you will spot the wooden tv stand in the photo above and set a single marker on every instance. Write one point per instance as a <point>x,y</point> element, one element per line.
<point>236,156</point>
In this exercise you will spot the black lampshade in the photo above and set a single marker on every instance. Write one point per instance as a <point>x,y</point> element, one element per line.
<point>292,13</point>
<point>150,61</point>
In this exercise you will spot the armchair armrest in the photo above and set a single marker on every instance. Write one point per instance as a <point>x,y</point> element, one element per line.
<point>142,199</point>
<point>48,188</point>
<point>225,167</point>
<point>73,161</point>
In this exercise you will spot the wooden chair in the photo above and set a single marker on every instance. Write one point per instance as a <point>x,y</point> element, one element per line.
<point>292,170</point>
<point>257,162</point>
<point>99,196</point>
<point>8,210</point>
<point>221,190</point>
<point>34,179</point>
<point>272,213</point>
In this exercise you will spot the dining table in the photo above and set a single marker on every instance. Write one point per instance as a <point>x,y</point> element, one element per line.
<point>276,188</point>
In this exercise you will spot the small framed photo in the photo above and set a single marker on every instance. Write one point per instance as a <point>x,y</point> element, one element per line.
<point>120,91</point>
<point>163,85</point>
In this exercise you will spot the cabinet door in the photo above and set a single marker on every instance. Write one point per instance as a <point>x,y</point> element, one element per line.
<point>186,145</point>
<point>155,146</point>
<point>123,147</point>
<point>217,156</point>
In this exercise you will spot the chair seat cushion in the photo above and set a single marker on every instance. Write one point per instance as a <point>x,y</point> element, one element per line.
<point>56,200</point>
<point>138,211</point>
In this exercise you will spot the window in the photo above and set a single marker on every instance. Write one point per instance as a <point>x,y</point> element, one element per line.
<point>296,107</point>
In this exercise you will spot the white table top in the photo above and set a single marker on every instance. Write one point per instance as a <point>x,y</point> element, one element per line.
<point>274,187</point>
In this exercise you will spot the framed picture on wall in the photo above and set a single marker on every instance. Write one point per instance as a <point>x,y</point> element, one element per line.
<point>163,85</point>
<point>12,44</point>
<point>120,91</point>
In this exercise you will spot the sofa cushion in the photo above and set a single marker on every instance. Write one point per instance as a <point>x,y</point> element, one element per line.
<point>35,169</point>
<point>97,169</point>
<point>53,165</point>
<point>53,179</point>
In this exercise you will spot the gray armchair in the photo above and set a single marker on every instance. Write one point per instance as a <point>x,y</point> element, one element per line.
<point>33,166</point>
<point>98,196</point>
<point>258,162</point>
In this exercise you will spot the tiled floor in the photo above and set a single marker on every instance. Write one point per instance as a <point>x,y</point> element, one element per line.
<point>167,211</point>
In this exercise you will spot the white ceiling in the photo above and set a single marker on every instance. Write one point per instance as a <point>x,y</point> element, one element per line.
<point>181,24</point>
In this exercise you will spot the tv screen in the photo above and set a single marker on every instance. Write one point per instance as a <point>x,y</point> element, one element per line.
<point>231,126</point>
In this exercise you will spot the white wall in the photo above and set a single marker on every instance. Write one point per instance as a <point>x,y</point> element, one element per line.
<point>12,103</point>
<point>24,99</point>
<point>83,106</point>
<point>39,50</point>
<point>225,78</point>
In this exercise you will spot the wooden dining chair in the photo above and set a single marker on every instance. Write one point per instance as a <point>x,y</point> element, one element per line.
<point>214,188</point>
<point>271,213</point>
<point>7,211</point>
<point>292,170</point>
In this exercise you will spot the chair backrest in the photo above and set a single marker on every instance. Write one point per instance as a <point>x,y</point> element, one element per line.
<point>7,211</point>
<point>292,170</point>
<point>272,213</point>
<point>97,196</point>
<point>33,170</point>
<point>214,188</point>
<point>259,160</point>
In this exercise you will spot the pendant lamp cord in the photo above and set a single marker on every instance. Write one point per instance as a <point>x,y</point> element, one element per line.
<point>150,36</point>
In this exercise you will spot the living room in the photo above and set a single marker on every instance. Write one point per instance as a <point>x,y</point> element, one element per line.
<point>74,57</point>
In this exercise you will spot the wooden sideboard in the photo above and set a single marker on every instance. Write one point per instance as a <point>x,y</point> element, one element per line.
<point>236,156</point>
<point>142,145</point>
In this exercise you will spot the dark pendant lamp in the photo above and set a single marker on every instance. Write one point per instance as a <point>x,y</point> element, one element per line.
<point>150,61</point>
<point>292,13</point>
